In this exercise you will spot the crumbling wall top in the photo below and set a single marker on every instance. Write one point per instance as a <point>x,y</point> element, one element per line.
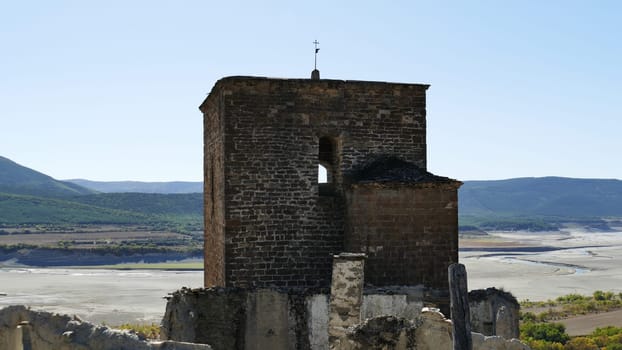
<point>480,295</point>
<point>231,81</point>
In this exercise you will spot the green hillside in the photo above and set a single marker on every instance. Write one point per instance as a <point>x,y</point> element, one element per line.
<point>24,210</point>
<point>17,179</point>
<point>147,203</point>
<point>30,197</point>
<point>539,203</point>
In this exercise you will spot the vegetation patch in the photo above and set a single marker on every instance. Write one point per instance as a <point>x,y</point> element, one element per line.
<point>571,305</point>
<point>552,336</point>
<point>540,332</point>
<point>144,331</point>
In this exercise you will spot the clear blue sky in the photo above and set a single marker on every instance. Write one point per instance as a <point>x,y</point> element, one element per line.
<point>109,90</point>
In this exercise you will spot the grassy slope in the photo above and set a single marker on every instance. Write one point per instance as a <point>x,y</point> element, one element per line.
<point>23,209</point>
<point>148,203</point>
<point>538,203</point>
<point>30,197</point>
<point>524,203</point>
<point>17,179</point>
<point>549,196</point>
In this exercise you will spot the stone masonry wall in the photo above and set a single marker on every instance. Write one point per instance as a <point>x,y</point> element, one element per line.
<point>277,229</point>
<point>430,331</point>
<point>409,233</point>
<point>214,193</point>
<point>494,312</point>
<point>22,328</point>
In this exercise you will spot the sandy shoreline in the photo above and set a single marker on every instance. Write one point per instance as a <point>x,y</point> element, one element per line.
<point>112,297</point>
<point>534,266</point>
<point>540,266</point>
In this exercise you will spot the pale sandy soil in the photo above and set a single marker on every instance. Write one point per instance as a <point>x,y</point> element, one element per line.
<point>585,324</point>
<point>101,296</point>
<point>577,262</point>
<point>541,266</point>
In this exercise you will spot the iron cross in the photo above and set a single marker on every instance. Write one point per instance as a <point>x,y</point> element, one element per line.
<point>316,43</point>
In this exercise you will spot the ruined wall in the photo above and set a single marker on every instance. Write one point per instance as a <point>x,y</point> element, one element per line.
<point>22,328</point>
<point>236,319</point>
<point>408,232</point>
<point>230,318</point>
<point>213,316</point>
<point>278,230</point>
<point>346,293</point>
<point>272,319</point>
<point>494,312</point>
<point>430,331</point>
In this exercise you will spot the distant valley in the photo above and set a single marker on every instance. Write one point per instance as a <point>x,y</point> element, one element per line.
<point>540,204</point>
<point>44,221</point>
<point>28,197</point>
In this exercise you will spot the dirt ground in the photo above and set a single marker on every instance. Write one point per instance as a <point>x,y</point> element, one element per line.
<point>105,296</point>
<point>535,266</point>
<point>85,236</point>
<point>585,324</point>
<point>541,266</point>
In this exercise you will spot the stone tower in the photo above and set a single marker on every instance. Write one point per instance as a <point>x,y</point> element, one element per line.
<point>269,223</point>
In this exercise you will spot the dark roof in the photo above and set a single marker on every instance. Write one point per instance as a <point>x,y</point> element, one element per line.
<point>392,169</point>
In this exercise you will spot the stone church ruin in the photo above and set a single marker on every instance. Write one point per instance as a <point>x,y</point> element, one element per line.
<point>357,262</point>
<point>292,263</point>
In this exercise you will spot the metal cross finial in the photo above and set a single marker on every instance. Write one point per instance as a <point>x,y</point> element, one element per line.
<point>316,43</point>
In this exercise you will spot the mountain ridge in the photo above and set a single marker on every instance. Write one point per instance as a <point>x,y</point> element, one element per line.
<point>18,179</point>
<point>29,197</point>
<point>164,187</point>
<point>538,203</point>
<point>545,196</point>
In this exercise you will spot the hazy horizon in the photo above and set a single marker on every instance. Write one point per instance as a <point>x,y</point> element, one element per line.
<point>321,178</point>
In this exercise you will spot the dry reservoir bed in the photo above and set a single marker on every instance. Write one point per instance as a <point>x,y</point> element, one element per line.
<point>535,266</point>
<point>101,296</point>
<point>540,266</point>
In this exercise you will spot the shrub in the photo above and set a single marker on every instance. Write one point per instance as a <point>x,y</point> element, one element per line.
<point>544,345</point>
<point>527,316</point>
<point>581,343</point>
<point>551,332</point>
<point>607,331</point>
<point>599,295</point>
<point>151,331</point>
<point>570,298</point>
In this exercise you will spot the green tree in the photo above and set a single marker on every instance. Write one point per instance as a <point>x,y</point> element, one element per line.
<point>551,332</point>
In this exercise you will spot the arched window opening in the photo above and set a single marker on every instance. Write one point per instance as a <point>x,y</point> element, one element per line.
<point>326,165</point>
<point>322,174</point>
